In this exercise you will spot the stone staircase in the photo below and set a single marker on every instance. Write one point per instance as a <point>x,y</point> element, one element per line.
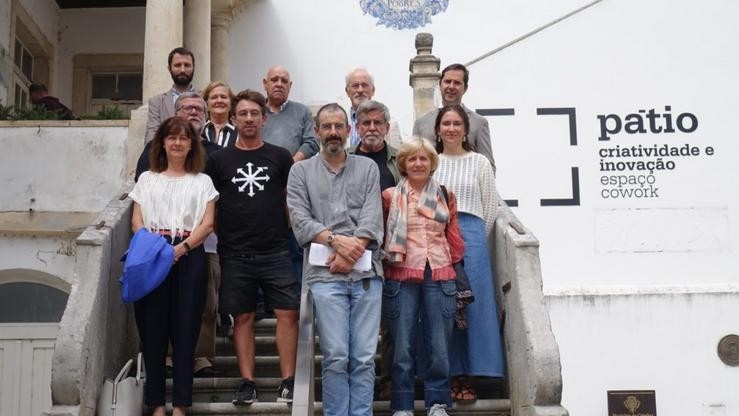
<point>212,396</point>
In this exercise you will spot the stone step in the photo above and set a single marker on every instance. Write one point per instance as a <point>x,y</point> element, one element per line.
<point>263,344</point>
<point>381,408</point>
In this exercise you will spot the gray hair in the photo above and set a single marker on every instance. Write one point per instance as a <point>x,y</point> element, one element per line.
<point>372,105</point>
<point>189,94</point>
<point>354,71</point>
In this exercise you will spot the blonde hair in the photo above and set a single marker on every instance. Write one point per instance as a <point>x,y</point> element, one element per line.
<point>213,85</point>
<point>413,145</point>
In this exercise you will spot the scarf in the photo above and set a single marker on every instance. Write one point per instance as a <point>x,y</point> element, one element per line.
<point>431,205</point>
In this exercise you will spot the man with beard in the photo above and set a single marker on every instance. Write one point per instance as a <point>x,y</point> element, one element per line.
<point>334,200</point>
<point>181,65</point>
<point>373,125</point>
<point>360,87</point>
<point>251,177</point>
<point>453,84</point>
<point>191,106</point>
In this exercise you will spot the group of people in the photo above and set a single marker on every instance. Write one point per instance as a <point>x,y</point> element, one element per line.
<point>245,186</point>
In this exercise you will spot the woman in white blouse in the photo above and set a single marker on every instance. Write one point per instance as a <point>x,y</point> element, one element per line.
<point>478,350</point>
<point>176,201</point>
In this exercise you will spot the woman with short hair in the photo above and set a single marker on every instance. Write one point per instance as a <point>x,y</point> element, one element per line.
<point>422,244</point>
<point>218,129</point>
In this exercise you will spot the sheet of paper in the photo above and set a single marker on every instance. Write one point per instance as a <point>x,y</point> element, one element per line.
<point>319,254</point>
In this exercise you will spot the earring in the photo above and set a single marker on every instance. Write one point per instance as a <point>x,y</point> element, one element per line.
<point>438,138</point>
<point>464,139</point>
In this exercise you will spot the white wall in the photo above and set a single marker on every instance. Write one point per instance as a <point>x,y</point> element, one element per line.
<point>96,31</point>
<point>319,48</point>
<point>76,169</point>
<point>651,342</point>
<point>45,253</point>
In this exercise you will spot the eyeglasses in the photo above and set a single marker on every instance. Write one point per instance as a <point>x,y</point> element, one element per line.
<point>191,109</point>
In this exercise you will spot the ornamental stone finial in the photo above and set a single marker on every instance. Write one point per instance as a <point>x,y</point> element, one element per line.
<point>424,43</point>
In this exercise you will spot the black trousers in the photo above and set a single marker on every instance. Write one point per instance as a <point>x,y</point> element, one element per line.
<point>172,314</point>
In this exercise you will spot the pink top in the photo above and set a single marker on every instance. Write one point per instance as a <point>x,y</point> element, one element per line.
<point>426,242</point>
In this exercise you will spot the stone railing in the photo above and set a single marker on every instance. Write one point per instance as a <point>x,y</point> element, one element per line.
<point>532,354</point>
<point>96,333</point>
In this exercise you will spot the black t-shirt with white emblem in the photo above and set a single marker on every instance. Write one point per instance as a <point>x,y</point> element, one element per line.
<point>251,210</point>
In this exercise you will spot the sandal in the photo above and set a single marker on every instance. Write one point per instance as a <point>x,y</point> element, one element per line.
<point>463,393</point>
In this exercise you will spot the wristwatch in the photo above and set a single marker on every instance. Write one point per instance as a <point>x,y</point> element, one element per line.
<point>330,239</point>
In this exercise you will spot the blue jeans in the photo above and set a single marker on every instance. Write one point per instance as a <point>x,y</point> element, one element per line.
<point>348,321</point>
<point>403,304</point>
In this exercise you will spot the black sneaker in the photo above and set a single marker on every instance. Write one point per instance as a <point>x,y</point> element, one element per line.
<point>285,391</point>
<point>246,394</point>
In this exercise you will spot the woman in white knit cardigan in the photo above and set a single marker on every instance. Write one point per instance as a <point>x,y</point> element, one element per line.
<point>477,351</point>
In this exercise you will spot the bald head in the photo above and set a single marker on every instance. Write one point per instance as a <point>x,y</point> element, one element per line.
<point>277,85</point>
<point>360,86</point>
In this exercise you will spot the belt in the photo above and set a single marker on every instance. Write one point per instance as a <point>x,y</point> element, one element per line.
<point>168,233</point>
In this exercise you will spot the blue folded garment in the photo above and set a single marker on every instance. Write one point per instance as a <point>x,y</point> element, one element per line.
<point>147,262</point>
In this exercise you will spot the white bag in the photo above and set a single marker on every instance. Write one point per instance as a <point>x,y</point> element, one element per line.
<point>123,397</point>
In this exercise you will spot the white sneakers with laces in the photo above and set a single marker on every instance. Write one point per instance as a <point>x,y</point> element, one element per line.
<point>438,410</point>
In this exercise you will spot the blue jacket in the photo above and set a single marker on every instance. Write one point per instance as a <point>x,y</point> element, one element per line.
<point>147,262</point>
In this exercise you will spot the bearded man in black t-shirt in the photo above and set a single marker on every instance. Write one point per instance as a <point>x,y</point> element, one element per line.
<point>252,229</point>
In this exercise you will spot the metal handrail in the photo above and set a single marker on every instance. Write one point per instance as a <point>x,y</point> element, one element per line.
<point>304,393</point>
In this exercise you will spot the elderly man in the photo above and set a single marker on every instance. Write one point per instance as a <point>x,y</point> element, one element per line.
<point>191,106</point>
<point>289,125</point>
<point>251,177</point>
<point>373,125</point>
<point>360,87</point>
<point>334,201</point>
<point>181,66</point>
<point>453,84</point>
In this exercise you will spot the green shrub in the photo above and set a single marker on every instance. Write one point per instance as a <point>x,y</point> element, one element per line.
<point>30,113</point>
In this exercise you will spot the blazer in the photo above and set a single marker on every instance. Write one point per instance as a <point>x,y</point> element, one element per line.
<point>161,107</point>
<point>478,136</point>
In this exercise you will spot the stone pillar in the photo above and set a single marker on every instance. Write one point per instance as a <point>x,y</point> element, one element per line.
<point>220,22</point>
<point>424,78</point>
<point>196,32</point>
<point>163,33</point>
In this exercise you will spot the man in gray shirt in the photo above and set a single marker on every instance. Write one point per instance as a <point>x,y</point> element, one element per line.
<point>289,123</point>
<point>334,200</point>
<point>453,84</point>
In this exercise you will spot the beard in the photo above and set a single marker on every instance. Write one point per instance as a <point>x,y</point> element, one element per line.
<point>183,80</point>
<point>334,144</point>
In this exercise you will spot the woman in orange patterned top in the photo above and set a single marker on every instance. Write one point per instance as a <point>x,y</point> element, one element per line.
<point>422,243</point>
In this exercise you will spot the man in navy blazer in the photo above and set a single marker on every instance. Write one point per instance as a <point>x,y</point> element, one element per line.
<point>181,65</point>
<point>453,84</point>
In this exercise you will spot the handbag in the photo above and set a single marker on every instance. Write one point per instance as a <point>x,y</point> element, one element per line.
<point>123,396</point>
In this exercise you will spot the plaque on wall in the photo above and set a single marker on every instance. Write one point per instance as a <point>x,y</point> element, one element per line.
<point>632,403</point>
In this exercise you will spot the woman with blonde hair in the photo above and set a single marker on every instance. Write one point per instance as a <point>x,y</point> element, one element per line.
<point>218,129</point>
<point>422,243</point>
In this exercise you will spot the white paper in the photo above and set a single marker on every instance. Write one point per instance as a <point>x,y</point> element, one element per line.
<point>319,254</point>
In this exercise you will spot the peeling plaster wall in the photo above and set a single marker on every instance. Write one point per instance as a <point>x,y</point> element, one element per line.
<point>55,256</point>
<point>73,168</point>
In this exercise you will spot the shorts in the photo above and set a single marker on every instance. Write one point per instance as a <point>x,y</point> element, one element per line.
<point>243,273</point>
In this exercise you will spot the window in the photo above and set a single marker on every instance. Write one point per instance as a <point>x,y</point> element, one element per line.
<point>117,86</point>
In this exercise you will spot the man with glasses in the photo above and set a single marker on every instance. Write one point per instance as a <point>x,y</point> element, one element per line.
<point>251,177</point>
<point>360,87</point>
<point>191,106</point>
<point>334,201</point>
<point>181,66</point>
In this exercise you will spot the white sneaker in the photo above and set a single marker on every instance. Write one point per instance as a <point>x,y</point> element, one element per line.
<point>403,413</point>
<point>438,410</point>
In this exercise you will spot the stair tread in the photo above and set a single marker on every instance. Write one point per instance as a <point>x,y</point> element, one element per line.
<point>480,407</point>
